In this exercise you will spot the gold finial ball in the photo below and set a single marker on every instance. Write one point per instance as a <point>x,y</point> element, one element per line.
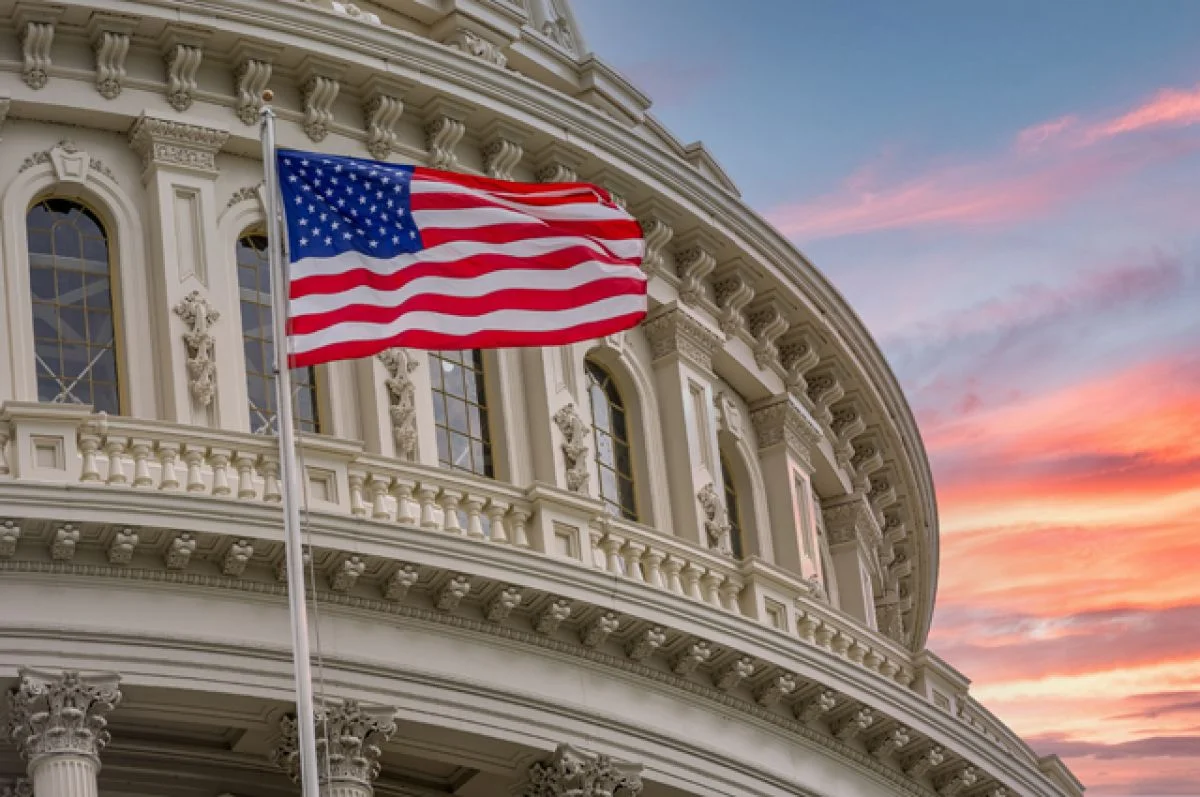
<point>268,95</point>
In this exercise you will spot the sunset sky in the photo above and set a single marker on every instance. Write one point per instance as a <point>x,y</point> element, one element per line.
<point>1009,195</point>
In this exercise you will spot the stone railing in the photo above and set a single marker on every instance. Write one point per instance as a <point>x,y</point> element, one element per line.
<point>57,444</point>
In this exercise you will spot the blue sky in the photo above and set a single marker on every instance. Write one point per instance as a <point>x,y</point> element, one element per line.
<point>1008,194</point>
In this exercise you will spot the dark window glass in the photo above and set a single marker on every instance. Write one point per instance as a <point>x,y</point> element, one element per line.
<point>733,510</point>
<point>614,456</point>
<point>460,413</point>
<point>74,337</point>
<point>258,340</point>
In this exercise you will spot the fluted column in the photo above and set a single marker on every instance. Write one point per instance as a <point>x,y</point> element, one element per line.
<point>571,772</point>
<point>349,739</point>
<point>58,724</point>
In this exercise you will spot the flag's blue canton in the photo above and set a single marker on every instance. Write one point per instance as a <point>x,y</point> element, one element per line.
<point>335,204</point>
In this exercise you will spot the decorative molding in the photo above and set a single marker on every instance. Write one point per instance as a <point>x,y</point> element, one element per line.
<point>444,129</point>
<point>502,604</point>
<point>200,345</point>
<point>657,234</point>
<point>350,738</point>
<point>798,356</point>
<point>594,634</point>
<point>471,43</point>
<point>730,676</point>
<point>575,450</point>
<point>183,52</point>
<point>953,785</point>
<point>502,151</point>
<point>121,547</point>
<point>783,419</point>
<point>110,35</point>
<point>643,646</point>
<point>775,689</point>
<point>61,714</point>
<point>852,725</point>
<point>163,142</point>
<point>716,519</point>
<point>917,765</point>
<point>729,415</point>
<point>245,194</point>
<point>383,105</point>
<point>885,747</point>
<point>732,293</point>
<point>320,91</point>
<point>571,772</point>
<point>766,322</point>
<point>35,23</point>
<point>823,390</point>
<point>10,535</point>
<point>254,64</point>
<point>402,401</point>
<point>64,543</point>
<point>851,520</point>
<point>693,265</point>
<point>559,165</point>
<point>71,164</point>
<point>674,330</point>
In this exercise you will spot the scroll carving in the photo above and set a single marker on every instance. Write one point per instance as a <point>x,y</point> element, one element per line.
<point>183,62</point>
<point>200,345</point>
<point>657,234</point>
<point>382,112</point>
<point>442,135</point>
<point>319,93</point>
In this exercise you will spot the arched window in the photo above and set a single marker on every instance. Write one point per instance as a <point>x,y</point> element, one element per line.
<point>258,341</point>
<point>732,509</point>
<point>74,330</point>
<point>460,412</point>
<point>614,455</point>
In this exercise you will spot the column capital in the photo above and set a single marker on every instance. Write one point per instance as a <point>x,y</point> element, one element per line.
<point>784,420</point>
<point>851,520</point>
<point>164,142</point>
<point>63,713</point>
<point>675,330</point>
<point>571,772</point>
<point>349,738</point>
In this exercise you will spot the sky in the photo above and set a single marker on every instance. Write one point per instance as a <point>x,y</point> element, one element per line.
<point>1008,194</point>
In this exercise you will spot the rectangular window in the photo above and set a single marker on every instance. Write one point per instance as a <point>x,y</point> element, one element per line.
<point>460,411</point>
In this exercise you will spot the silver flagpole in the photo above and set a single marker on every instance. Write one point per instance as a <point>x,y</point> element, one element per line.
<point>293,546</point>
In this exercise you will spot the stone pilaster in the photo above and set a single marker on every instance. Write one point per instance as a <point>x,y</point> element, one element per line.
<point>57,721</point>
<point>854,540</point>
<point>682,344</point>
<point>180,171</point>
<point>349,736</point>
<point>574,773</point>
<point>786,436</point>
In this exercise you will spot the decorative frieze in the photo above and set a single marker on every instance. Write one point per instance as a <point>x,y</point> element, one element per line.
<point>471,43</point>
<point>35,23</point>
<point>575,773</point>
<point>693,264</point>
<point>674,330</point>
<point>199,345</point>
<point>732,291</point>
<point>253,65</point>
<point>183,50</point>
<point>350,739</point>
<point>444,127</point>
<point>61,715</point>
<point>110,36</point>
<point>321,82</point>
<point>716,519</point>
<point>402,403</point>
<point>164,142</point>
<point>766,322</point>
<point>784,420</point>
<point>576,434</point>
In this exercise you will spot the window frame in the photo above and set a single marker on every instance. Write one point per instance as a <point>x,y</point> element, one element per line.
<point>733,507</point>
<point>483,401</point>
<point>632,513</point>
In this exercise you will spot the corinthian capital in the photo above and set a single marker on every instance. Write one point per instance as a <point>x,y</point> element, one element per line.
<point>575,773</point>
<point>783,419</point>
<point>52,714</point>
<point>349,739</point>
<point>674,330</point>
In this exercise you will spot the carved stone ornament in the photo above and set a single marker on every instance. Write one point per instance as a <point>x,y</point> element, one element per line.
<point>35,29</point>
<point>785,420</point>
<point>469,42</point>
<point>381,112</point>
<point>354,12</point>
<point>53,714</point>
<point>766,323</point>
<point>674,330</point>
<point>657,234</point>
<point>110,36</point>
<point>250,79</point>
<point>575,773</point>
<point>442,134</point>
<point>574,447</point>
<point>732,293</point>
<point>852,520</point>
<point>728,414</point>
<point>164,142</point>
<point>21,787</point>
<point>501,155</point>
<point>716,519</point>
<point>71,164</point>
<point>183,62</point>
<point>319,93</point>
<point>402,402</point>
<point>245,194</point>
<point>693,264</point>
<point>349,739</point>
<point>200,344</point>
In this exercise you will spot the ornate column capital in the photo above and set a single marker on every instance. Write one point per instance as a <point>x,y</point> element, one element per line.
<point>674,330</point>
<point>850,520</point>
<point>349,740</point>
<point>61,714</point>
<point>784,420</point>
<point>163,142</point>
<point>574,773</point>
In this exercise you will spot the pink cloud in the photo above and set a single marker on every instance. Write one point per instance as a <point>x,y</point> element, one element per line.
<point>1023,181</point>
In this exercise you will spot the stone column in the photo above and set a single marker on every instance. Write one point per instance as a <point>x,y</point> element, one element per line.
<point>186,263</point>
<point>349,737</point>
<point>57,722</point>
<point>787,435</point>
<point>682,345</point>
<point>574,773</point>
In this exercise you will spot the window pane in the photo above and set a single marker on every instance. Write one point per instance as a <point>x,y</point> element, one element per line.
<point>614,455</point>
<point>460,412</point>
<point>258,341</point>
<point>75,354</point>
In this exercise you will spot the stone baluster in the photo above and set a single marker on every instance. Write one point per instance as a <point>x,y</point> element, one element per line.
<point>378,486</point>
<point>671,567</point>
<point>193,457</point>
<point>519,518</point>
<point>610,546</point>
<point>140,449</point>
<point>219,461</point>
<point>356,481</point>
<point>58,724</point>
<point>710,586</point>
<point>269,468</point>
<point>168,455</point>
<point>426,496</point>
<point>652,561</point>
<point>449,500</point>
<point>730,591</point>
<point>496,510</point>
<point>350,737</point>
<point>633,553</point>
<point>89,444</point>
<point>691,581</point>
<point>474,504</point>
<point>402,492</point>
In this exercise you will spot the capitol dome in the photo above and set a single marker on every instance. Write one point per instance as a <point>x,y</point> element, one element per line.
<point>695,558</point>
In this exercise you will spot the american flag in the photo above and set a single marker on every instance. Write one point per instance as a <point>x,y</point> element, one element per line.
<point>387,255</point>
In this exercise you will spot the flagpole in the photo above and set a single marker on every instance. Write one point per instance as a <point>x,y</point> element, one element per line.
<point>293,550</point>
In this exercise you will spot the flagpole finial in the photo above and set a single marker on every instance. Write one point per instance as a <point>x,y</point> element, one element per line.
<point>268,95</point>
